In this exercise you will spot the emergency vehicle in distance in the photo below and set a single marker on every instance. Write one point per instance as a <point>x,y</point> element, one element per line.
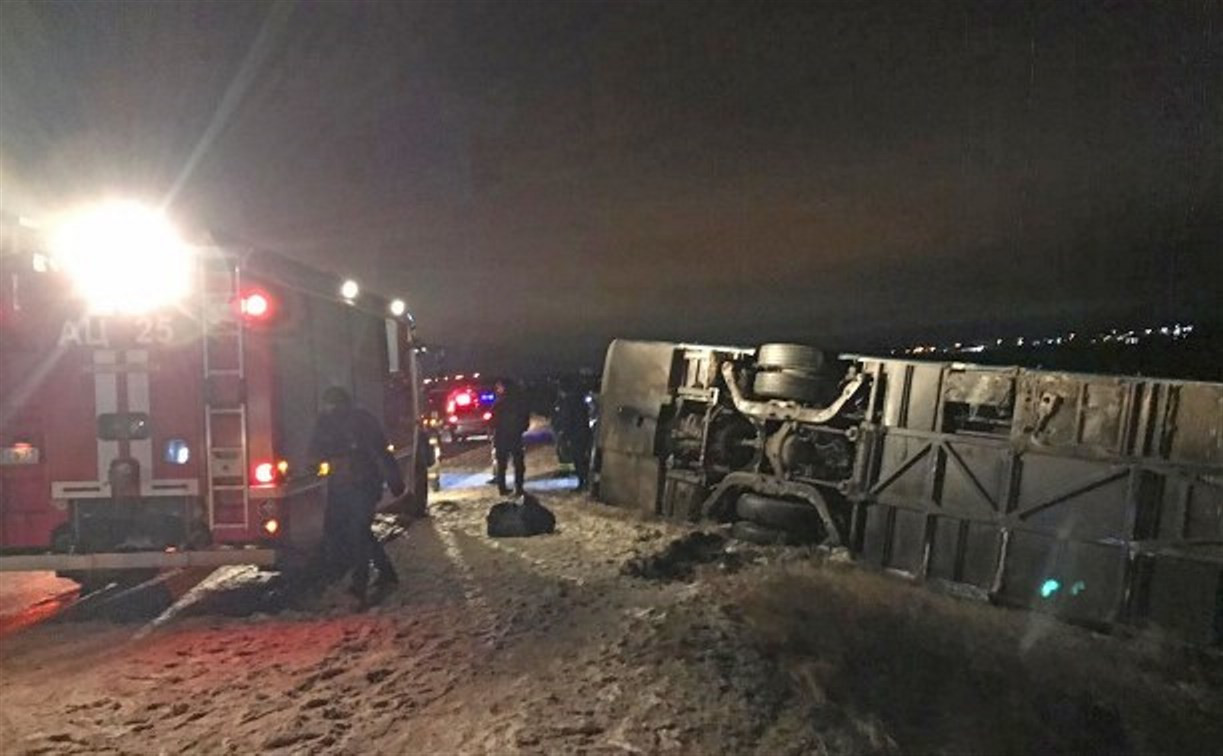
<point>156,398</point>
<point>460,408</point>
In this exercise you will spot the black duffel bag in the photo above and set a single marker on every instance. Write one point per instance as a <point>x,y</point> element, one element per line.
<point>508,519</point>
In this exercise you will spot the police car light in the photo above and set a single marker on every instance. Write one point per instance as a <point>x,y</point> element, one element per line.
<point>122,257</point>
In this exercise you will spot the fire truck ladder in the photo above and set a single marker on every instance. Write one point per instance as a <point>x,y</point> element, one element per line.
<point>225,424</point>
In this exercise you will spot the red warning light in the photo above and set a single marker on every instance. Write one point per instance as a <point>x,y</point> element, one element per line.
<point>265,473</point>
<point>256,305</point>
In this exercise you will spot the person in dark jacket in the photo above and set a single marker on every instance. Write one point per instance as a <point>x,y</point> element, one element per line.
<point>572,427</point>
<point>511,418</point>
<point>351,443</point>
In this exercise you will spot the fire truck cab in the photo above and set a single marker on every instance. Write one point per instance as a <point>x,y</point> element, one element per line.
<point>170,426</point>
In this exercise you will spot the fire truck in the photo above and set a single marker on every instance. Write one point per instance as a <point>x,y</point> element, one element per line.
<point>157,398</point>
<point>1096,498</point>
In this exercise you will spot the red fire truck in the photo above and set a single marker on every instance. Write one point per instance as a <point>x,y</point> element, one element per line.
<point>156,399</point>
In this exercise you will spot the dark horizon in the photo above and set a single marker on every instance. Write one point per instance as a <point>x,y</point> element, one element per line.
<point>539,178</point>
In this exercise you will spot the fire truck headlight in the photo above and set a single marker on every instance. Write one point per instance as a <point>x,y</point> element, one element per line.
<point>122,257</point>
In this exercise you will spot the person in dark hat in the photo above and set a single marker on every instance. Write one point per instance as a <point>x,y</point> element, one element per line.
<point>352,444</point>
<point>511,418</point>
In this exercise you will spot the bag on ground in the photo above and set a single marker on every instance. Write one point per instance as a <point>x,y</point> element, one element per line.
<point>508,519</point>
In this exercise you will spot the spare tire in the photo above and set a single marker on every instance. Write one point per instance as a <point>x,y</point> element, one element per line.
<point>755,533</point>
<point>790,516</point>
<point>794,387</point>
<point>790,357</point>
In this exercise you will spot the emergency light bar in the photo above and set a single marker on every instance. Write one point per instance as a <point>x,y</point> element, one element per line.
<point>122,257</point>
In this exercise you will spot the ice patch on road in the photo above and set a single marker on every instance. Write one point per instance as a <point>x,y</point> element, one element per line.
<point>451,481</point>
<point>567,483</point>
<point>455,481</point>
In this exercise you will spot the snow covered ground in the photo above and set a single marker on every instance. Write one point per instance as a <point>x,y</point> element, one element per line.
<point>617,634</point>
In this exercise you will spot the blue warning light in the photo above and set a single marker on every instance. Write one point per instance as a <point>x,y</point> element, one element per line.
<point>1049,587</point>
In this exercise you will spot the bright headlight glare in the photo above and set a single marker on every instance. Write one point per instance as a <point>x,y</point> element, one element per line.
<point>123,257</point>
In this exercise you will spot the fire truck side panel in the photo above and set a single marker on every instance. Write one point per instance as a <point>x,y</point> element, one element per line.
<point>369,355</point>
<point>26,515</point>
<point>27,338</point>
<point>66,401</point>
<point>176,390</point>
<point>297,386</point>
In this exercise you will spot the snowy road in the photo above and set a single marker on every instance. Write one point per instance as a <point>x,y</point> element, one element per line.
<point>555,644</point>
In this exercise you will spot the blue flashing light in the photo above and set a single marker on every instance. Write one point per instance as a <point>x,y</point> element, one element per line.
<point>1049,587</point>
<point>488,397</point>
<point>177,451</point>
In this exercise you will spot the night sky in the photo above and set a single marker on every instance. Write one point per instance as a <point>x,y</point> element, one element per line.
<point>537,178</point>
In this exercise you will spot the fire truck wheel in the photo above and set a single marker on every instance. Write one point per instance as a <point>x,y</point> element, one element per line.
<point>62,541</point>
<point>760,534</point>
<point>799,519</point>
<point>199,536</point>
<point>790,357</point>
<point>795,387</point>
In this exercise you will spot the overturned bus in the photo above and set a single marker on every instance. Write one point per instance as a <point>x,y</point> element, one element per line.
<point>1098,498</point>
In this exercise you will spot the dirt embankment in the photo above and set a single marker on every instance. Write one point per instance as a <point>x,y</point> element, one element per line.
<point>614,635</point>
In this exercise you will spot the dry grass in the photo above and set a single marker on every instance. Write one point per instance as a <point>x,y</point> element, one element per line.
<point>944,675</point>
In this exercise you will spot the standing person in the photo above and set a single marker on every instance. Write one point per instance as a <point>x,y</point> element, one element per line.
<point>511,417</point>
<point>573,429</point>
<point>351,442</point>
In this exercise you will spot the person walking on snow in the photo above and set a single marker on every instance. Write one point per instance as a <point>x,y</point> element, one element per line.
<point>352,444</point>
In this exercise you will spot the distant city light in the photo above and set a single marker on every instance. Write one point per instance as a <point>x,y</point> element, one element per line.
<point>398,307</point>
<point>1126,337</point>
<point>349,290</point>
